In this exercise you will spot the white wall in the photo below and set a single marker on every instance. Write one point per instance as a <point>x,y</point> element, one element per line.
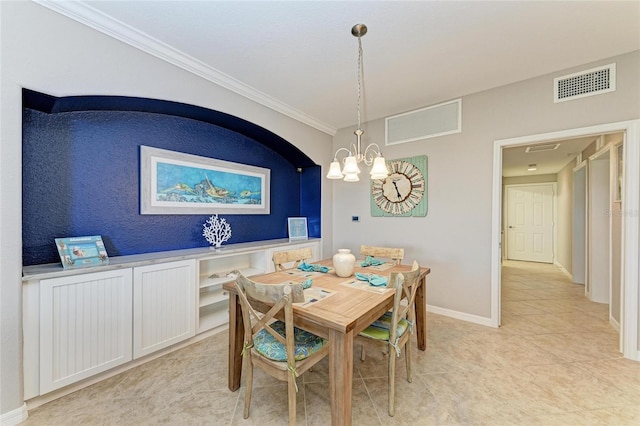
<point>564,216</point>
<point>455,237</point>
<point>46,52</point>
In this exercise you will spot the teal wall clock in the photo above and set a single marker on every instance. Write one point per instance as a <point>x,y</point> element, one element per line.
<point>404,191</point>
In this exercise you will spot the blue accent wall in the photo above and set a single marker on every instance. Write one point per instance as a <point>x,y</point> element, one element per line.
<point>81,171</point>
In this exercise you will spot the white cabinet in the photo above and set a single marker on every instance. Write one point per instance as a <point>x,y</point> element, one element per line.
<point>163,305</point>
<point>85,326</point>
<point>78,323</point>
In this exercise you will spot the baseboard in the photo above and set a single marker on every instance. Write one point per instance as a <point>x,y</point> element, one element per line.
<point>564,271</point>
<point>14,417</point>
<point>461,316</point>
<point>615,324</point>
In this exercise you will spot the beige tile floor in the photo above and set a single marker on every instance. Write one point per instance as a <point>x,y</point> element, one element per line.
<point>554,361</point>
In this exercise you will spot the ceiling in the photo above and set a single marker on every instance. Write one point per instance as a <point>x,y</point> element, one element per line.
<point>515,160</point>
<point>299,57</point>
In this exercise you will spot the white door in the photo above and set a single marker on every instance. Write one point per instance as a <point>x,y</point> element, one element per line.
<point>530,222</point>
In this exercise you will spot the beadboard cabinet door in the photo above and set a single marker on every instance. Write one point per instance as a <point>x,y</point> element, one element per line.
<point>164,305</point>
<point>85,326</point>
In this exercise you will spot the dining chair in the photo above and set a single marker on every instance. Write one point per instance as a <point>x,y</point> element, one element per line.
<point>276,347</point>
<point>297,256</point>
<point>393,253</point>
<point>392,330</point>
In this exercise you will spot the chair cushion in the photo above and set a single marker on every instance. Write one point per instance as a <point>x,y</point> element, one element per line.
<point>306,344</point>
<point>379,330</point>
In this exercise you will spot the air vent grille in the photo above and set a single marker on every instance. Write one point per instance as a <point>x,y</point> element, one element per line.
<point>437,120</point>
<point>585,83</point>
<point>542,148</point>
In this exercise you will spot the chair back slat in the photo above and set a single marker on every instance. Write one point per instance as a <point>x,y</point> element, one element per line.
<point>395,254</point>
<point>280,258</point>
<point>406,285</point>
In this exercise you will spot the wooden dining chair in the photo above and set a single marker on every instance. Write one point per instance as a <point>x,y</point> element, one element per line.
<point>276,347</point>
<point>297,256</point>
<point>394,254</point>
<point>393,329</point>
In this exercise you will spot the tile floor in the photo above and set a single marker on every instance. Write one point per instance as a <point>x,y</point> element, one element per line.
<point>555,361</point>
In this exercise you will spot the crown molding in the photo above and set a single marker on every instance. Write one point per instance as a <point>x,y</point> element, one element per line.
<point>99,21</point>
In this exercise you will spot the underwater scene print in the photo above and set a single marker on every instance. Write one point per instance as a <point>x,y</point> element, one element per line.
<point>185,184</point>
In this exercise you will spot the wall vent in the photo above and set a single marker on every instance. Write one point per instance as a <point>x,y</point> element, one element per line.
<point>542,148</point>
<point>437,120</point>
<point>585,83</point>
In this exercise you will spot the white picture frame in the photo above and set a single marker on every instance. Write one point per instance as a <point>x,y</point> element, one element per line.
<point>297,227</point>
<point>177,183</point>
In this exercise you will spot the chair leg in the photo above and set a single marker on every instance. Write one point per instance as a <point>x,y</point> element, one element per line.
<point>407,359</point>
<point>362,353</point>
<point>292,400</point>
<point>248,388</point>
<point>392,382</point>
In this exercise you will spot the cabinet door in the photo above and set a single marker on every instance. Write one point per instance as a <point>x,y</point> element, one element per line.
<point>164,302</point>
<point>85,326</point>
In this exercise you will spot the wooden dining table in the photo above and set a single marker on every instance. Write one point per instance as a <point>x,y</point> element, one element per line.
<point>337,309</point>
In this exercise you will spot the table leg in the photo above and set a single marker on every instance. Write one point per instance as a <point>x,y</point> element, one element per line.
<point>421,314</point>
<point>341,376</point>
<point>236,336</point>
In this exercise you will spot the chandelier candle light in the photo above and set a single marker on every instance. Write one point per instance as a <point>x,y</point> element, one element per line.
<point>372,154</point>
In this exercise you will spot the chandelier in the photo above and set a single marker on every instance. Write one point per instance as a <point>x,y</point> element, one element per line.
<point>371,156</point>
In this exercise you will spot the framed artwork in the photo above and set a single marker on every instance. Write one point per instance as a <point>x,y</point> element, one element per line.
<point>178,183</point>
<point>298,228</point>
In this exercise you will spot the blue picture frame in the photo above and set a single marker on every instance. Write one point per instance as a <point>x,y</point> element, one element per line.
<point>178,183</point>
<point>82,252</point>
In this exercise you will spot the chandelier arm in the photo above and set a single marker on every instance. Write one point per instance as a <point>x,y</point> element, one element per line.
<point>335,156</point>
<point>370,153</point>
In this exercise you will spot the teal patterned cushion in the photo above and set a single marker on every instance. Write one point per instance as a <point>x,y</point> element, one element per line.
<point>379,330</point>
<point>306,344</point>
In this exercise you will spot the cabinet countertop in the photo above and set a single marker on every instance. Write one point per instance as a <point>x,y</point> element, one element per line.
<point>54,270</point>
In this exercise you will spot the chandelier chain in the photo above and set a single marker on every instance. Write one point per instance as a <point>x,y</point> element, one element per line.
<point>359,76</point>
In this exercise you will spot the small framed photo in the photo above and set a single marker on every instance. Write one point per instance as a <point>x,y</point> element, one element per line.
<point>298,228</point>
<point>82,252</point>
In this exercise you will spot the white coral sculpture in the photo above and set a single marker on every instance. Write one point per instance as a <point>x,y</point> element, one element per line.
<point>216,231</point>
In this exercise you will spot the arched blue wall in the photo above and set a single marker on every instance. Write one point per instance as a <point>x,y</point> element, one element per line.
<point>81,171</point>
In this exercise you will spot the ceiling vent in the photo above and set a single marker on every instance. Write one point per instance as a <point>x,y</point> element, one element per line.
<point>542,148</point>
<point>437,120</point>
<point>585,83</point>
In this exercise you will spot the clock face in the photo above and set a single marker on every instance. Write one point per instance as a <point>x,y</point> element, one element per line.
<point>401,191</point>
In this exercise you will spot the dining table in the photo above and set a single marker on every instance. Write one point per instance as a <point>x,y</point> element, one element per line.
<point>335,308</point>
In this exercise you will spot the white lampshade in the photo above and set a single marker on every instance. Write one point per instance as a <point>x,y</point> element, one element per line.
<point>350,166</point>
<point>351,177</point>
<point>379,169</point>
<point>334,171</point>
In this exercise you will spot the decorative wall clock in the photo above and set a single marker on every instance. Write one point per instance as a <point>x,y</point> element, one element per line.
<point>404,191</point>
